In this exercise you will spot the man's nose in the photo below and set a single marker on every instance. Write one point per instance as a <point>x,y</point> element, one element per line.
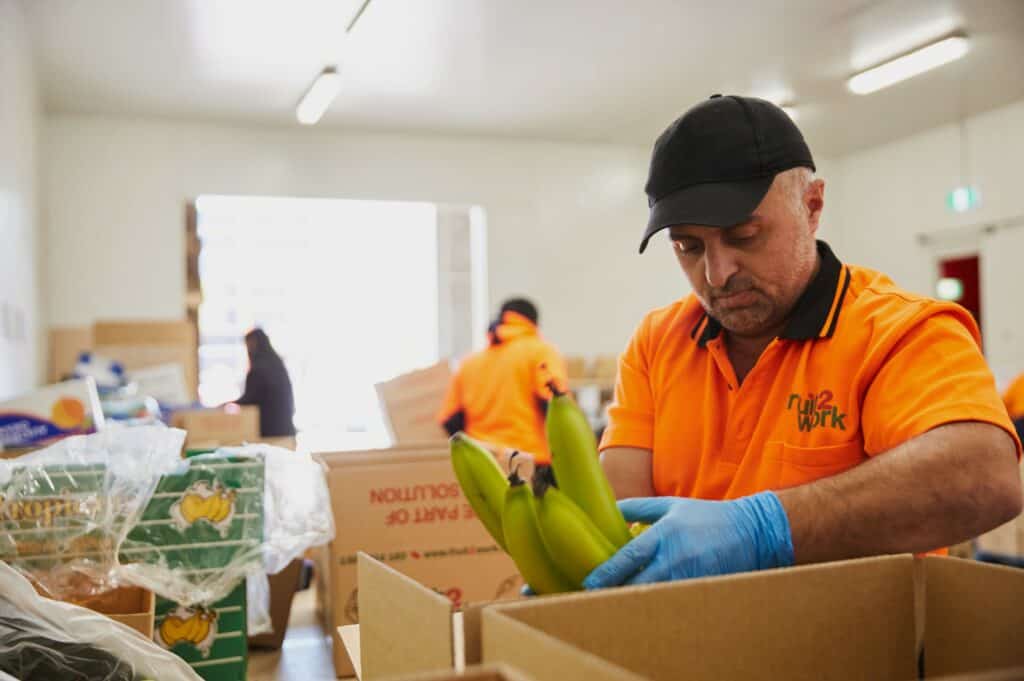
<point>719,265</point>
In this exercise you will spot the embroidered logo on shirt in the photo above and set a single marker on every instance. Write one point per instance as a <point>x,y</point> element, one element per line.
<point>816,410</point>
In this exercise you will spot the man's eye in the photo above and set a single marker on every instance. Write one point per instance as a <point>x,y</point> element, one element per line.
<point>685,247</point>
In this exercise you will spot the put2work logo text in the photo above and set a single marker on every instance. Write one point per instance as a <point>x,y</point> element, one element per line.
<point>816,410</point>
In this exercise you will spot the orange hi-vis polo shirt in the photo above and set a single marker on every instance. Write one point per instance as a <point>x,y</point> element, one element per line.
<point>861,367</point>
<point>499,395</point>
<point>1013,398</point>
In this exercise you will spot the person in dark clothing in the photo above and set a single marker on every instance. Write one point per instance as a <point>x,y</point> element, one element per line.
<point>268,386</point>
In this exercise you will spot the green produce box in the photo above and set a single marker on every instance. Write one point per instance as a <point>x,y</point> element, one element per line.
<point>203,520</point>
<point>54,515</point>
<point>212,639</point>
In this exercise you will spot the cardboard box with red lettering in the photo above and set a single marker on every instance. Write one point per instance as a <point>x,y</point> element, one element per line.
<point>874,618</point>
<point>404,506</point>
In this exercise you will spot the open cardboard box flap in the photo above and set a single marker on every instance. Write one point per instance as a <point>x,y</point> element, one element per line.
<point>860,619</point>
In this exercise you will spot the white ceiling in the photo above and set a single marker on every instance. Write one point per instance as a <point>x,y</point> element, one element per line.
<point>594,70</point>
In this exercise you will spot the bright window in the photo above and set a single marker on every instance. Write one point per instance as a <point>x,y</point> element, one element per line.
<point>346,290</point>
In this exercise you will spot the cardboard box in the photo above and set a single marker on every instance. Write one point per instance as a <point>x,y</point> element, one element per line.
<point>216,649</point>
<point>404,506</point>
<point>144,344</point>
<point>283,586</point>
<point>864,619</point>
<point>218,427</point>
<point>480,673</point>
<point>410,403</point>
<point>49,414</point>
<point>129,605</point>
<point>66,343</point>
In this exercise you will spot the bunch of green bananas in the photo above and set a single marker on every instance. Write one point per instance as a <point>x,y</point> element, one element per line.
<point>568,523</point>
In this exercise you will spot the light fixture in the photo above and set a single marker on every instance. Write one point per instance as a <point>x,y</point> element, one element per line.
<point>909,65</point>
<point>319,96</point>
<point>949,288</point>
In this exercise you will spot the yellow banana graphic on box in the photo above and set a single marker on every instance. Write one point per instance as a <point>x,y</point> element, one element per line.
<point>201,501</point>
<point>577,467</point>
<point>197,626</point>
<point>482,481</point>
<point>524,543</point>
<point>573,541</point>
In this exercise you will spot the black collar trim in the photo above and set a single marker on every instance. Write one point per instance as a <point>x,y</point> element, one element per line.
<point>816,313</point>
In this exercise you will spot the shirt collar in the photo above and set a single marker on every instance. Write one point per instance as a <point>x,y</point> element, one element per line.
<point>816,312</point>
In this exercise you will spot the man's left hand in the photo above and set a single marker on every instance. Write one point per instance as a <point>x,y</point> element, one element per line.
<point>697,538</point>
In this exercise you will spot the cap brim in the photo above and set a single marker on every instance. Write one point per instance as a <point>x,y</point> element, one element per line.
<point>713,204</point>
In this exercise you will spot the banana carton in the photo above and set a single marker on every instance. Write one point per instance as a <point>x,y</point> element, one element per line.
<point>211,638</point>
<point>894,617</point>
<point>481,673</point>
<point>404,506</point>
<point>50,413</point>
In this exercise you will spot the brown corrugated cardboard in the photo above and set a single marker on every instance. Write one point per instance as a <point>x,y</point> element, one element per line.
<point>129,605</point>
<point>483,673</point>
<point>849,620</point>
<point>218,427</point>
<point>974,617</point>
<point>143,332</point>
<point>283,586</point>
<point>391,645</point>
<point>769,625</point>
<point>144,344</point>
<point>410,403</point>
<point>1015,674</point>
<point>66,344</point>
<point>405,508</point>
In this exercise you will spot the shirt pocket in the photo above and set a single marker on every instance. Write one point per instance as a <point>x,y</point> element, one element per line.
<point>801,465</point>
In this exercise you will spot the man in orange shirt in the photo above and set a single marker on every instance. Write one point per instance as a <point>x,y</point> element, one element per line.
<point>793,408</point>
<point>499,395</point>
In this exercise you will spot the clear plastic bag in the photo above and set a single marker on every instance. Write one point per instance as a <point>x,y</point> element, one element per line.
<point>43,640</point>
<point>65,509</point>
<point>237,513</point>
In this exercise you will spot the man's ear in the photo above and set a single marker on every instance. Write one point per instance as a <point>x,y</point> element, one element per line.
<point>814,202</point>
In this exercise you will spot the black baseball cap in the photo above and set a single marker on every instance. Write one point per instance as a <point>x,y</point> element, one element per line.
<point>715,163</point>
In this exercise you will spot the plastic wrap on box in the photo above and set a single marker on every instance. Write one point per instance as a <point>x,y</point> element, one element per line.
<point>233,514</point>
<point>42,640</point>
<point>65,509</point>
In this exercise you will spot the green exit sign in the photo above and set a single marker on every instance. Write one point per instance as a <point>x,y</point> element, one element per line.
<point>963,199</point>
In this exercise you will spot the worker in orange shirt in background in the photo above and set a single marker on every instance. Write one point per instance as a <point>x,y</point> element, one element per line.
<point>1013,398</point>
<point>499,395</point>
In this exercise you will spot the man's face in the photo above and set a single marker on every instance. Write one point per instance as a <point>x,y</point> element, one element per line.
<point>750,276</point>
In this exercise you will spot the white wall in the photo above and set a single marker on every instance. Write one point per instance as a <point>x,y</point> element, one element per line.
<point>19,281</point>
<point>892,193</point>
<point>564,220</point>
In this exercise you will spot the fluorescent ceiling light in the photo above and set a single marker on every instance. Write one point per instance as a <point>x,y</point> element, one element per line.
<point>319,96</point>
<point>909,65</point>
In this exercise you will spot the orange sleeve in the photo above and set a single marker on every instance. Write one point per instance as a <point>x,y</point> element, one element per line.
<point>1013,398</point>
<point>631,413</point>
<point>935,374</point>
<point>452,403</point>
<point>550,367</point>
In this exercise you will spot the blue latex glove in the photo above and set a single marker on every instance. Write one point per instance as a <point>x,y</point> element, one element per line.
<point>696,538</point>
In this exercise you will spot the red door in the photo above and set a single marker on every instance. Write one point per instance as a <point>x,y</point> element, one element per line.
<point>966,270</point>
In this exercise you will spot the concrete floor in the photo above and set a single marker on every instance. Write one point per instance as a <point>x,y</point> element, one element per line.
<point>306,653</point>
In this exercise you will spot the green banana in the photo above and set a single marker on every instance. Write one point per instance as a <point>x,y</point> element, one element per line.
<point>482,481</point>
<point>524,543</point>
<point>573,541</point>
<point>577,467</point>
